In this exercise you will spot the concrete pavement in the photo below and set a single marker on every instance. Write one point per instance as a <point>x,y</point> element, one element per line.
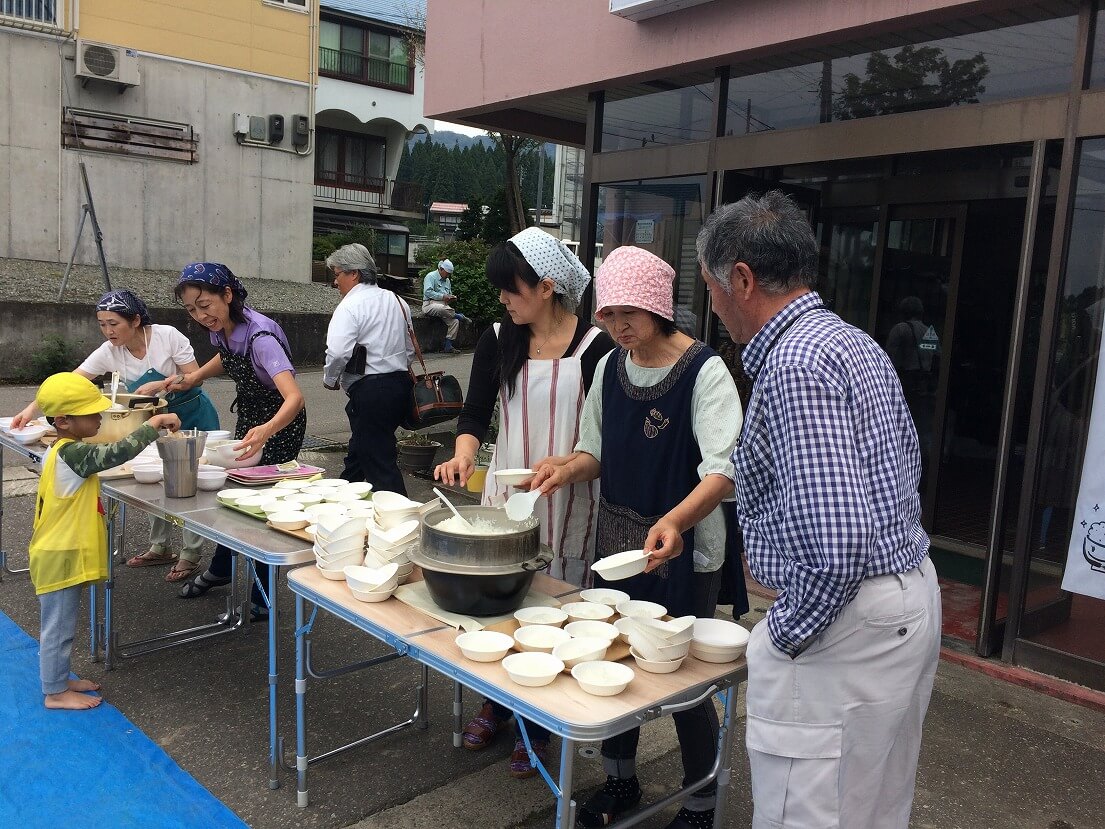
<point>995,755</point>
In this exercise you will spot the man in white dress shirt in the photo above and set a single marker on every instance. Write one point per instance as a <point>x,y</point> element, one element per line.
<point>368,351</point>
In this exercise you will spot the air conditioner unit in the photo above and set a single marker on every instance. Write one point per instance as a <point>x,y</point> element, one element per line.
<point>102,62</point>
<point>636,10</point>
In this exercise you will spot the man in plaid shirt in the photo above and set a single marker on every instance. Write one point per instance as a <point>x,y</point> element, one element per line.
<point>827,466</point>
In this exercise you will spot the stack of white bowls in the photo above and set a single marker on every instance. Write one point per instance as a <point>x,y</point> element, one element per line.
<point>372,584</point>
<point>716,640</point>
<point>339,543</point>
<point>391,546</point>
<point>659,647</point>
<point>393,509</point>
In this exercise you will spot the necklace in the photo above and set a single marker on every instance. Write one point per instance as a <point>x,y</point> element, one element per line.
<point>555,328</point>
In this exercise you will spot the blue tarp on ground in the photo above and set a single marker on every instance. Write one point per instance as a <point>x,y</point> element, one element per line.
<point>95,768</point>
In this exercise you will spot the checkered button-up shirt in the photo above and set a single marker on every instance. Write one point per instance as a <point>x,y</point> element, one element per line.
<point>827,468</point>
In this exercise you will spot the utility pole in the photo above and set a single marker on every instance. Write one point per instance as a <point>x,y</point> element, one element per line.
<point>540,179</point>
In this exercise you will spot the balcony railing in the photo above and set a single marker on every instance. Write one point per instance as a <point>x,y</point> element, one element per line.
<point>396,195</point>
<point>33,12</point>
<point>357,67</point>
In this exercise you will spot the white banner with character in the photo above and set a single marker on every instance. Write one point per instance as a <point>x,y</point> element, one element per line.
<point>1085,570</point>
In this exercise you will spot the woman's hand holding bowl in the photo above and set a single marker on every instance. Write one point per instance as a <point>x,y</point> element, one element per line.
<point>664,541</point>
<point>253,442</point>
<point>459,468</point>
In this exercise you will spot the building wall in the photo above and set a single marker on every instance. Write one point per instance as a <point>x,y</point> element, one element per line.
<point>504,54</point>
<point>249,207</point>
<point>251,35</point>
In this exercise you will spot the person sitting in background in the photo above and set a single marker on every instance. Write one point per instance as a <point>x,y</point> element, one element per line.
<point>437,300</point>
<point>368,351</point>
<point>68,546</point>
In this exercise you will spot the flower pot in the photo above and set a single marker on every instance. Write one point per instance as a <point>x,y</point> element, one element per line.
<point>415,457</point>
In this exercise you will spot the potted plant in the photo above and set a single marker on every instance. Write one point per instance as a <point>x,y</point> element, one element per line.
<point>416,452</point>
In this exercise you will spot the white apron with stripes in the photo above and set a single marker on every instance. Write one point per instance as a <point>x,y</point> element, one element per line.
<point>542,419</point>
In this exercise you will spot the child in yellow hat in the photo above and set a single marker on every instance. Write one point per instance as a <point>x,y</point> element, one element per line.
<point>69,543</point>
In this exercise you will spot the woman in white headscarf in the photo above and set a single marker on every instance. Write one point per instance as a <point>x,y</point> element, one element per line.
<point>538,363</point>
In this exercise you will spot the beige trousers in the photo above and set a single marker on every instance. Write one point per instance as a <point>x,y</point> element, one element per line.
<point>834,735</point>
<point>433,308</point>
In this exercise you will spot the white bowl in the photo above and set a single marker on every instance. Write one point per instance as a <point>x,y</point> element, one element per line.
<point>217,434</point>
<point>232,496</point>
<point>371,579</point>
<point>310,528</point>
<point>330,482</point>
<point>386,501</point>
<point>304,498</point>
<point>540,638</point>
<point>584,649</point>
<point>675,650</point>
<point>624,625</point>
<point>391,520</point>
<point>398,555</point>
<point>713,653</point>
<point>587,611</point>
<point>675,629</point>
<point>553,616</point>
<point>209,479</point>
<point>333,527</point>
<point>253,504</point>
<point>361,489</point>
<point>324,509</point>
<point>397,536</point>
<point>372,595</point>
<point>339,546</point>
<point>655,666</point>
<point>222,453</point>
<point>6,423</point>
<point>289,520</point>
<point>621,565</point>
<point>532,669</point>
<point>591,629</point>
<point>28,434</point>
<point>645,645</point>
<point>147,473</point>
<point>275,505</point>
<point>484,645</point>
<point>333,494</point>
<point>512,477</point>
<point>604,595</point>
<point>603,679</point>
<point>720,633</point>
<point>637,607</point>
<point>337,564</point>
<point>334,574</point>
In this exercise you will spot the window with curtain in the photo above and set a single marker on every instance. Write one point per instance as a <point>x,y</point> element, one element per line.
<point>347,160</point>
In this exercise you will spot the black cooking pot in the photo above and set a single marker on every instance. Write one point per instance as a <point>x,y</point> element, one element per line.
<point>476,591</point>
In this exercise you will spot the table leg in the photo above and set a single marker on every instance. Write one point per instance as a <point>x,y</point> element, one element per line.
<point>565,805</point>
<point>300,706</point>
<point>116,541</point>
<point>725,751</point>
<point>458,714</point>
<point>275,748</point>
<point>422,716</point>
<point>4,568</point>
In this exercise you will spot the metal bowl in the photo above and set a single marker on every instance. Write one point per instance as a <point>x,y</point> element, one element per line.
<point>480,591</point>
<point>116,425</point>
<point>444,548</point>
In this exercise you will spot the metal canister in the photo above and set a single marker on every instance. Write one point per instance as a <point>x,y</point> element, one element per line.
<point>180,455</point>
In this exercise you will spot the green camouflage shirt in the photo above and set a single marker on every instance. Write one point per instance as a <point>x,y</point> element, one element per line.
<point>87,459</point>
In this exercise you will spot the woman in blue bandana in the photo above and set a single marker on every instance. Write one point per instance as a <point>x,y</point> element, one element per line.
<point>145,355</point>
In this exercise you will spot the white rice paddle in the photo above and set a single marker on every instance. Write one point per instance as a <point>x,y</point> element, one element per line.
<point>519,506</point>
<point>449,504</point>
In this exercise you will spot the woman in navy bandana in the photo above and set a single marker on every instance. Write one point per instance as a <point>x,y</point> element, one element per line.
<point>145,355</point>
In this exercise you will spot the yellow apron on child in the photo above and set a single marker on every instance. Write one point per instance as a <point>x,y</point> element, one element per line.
<point>69,541</point>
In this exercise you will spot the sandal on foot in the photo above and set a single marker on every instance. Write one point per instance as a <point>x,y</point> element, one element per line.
<point>201,584</point>
<point>479,733</point>
<point>520,766</point>
<point>151,558</point>
<point>181,570</point>
<point>610,802</point>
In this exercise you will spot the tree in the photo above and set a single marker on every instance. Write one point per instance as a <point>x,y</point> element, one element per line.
<point>496,225</point>
<point>470,225</point>
<point>515,150</point>
<point>916,78</point>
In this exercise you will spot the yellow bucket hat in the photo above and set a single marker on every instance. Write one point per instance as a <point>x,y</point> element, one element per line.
<point>70,394</point>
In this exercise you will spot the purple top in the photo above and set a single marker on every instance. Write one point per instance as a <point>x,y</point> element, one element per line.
<point>269,359</point>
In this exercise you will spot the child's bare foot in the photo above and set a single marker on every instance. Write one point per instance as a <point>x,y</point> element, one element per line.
<point>72,701</point>
<point>83,685</point>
